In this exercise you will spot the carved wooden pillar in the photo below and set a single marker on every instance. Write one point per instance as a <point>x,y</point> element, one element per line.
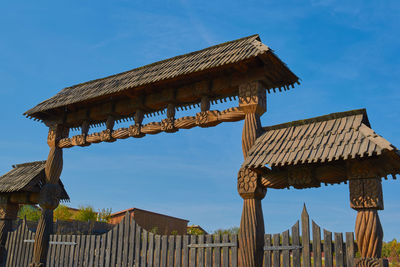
<point>252,100</point>
<point>49,195</point>
<point>366,198</point>
<point>8,213</point>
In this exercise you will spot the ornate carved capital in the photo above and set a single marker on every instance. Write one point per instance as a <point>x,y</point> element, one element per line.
<point>249,184</point>
<point>366,194</point>
<point>8,211</point>
<point>252,98</point>
<point>49,196</point>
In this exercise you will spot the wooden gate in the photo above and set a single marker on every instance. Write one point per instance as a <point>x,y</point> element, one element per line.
<point>298,249</point>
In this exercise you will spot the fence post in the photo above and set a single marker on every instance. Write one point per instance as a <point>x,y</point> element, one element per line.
<point>305,234</point>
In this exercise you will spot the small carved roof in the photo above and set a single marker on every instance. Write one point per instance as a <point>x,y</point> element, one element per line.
<point>337,137</point>
<point>27,177</point>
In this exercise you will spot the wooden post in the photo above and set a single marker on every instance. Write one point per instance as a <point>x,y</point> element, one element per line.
<point>366,198</point>
<point>49,195</point>
<point>8,213</point>
<point>252,100</point>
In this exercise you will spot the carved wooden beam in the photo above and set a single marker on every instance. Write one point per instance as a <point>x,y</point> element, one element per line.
<point>313,174</point>
<point>49,194</point>
<point>206,118</point>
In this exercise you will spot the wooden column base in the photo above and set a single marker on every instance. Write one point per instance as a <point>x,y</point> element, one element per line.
<point>251,234</point>
<point>371,262</point>
<point>43,231</point>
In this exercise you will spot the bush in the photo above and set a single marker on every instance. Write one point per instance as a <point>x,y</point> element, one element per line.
<point>62,213</point>
<point>104,215</point>
<point>230,231</point>
<point>85,213</point>
<point>30,212</point>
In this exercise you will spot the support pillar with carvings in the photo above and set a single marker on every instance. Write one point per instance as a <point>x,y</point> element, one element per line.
<point>49,195</point>
<point>366,198</point>
<point>252,100</point>
<point>8,213</point>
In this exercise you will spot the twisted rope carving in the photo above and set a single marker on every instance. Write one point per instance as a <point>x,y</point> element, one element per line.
<point>251,130</point>
<point>369,233</point>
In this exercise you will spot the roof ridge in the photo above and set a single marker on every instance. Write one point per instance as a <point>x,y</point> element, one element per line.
<point>327,117</point>
<point>28,163</point>
<point>255,36</point>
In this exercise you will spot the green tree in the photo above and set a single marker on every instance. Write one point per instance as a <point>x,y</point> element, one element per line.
<point>104,215</point>
<point>30,212</point>
<point>86,213</point>
<point>391,250</point>
<point>230,231</point>
<point>62,212</point>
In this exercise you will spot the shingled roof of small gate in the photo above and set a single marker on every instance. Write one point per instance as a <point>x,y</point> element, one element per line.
<point>331,137</point>
<point>212,57</point>
<point>27,177</point>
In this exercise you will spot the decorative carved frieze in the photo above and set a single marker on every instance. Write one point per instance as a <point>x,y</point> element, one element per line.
<point>366,194</point>
<point>213,118</point>
<point>249,184</point>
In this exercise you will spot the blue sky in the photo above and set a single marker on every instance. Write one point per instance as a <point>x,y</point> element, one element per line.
<point>345,52</point>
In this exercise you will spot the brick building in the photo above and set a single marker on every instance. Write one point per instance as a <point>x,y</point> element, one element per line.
<point>151,221</point>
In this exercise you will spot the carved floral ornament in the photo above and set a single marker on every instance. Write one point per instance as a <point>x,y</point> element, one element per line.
<point>249,184</point>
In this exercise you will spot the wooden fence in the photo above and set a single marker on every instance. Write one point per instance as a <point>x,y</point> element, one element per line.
<point>127,244</point>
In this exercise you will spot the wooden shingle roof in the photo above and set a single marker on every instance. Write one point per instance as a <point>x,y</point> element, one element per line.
<point>344,135</point>
<point>202,61</point>
<point>27,177</point>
